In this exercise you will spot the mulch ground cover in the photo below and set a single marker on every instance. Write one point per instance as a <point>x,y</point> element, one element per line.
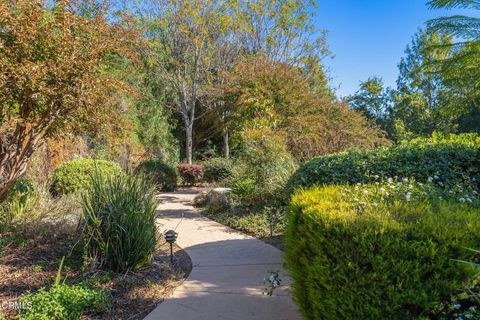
<point>30,258</point>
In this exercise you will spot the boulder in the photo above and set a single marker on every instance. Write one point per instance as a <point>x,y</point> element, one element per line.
<point>216,199</point>
<point>219,199</point>
<point>200,199</point>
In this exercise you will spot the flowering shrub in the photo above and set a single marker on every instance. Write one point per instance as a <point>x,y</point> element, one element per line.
<point>451,159</point>
<point>191,174</point>
<point>384,250</point>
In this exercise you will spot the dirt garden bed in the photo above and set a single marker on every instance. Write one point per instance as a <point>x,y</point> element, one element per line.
<point>30,257</point>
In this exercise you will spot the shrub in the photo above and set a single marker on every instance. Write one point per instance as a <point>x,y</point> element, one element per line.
<point>386,260</point>
<point>217,169</point>
<point>120,230</point>
<point>266,161</point>
<point>452,158</point>
<point>76,175</point>
<point>162,175</point>
<point>191,174</point>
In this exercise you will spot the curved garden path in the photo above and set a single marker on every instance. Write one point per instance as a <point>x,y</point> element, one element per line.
<point>227,279</point>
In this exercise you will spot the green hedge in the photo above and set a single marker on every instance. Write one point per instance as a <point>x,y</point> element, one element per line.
<point>384,261</point>
<point>452,158</point>
<point>76,175</point>
<point>162,175</point>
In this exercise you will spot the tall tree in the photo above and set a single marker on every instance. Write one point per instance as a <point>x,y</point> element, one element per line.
<point>421,99</point>
<point>182,35</point>
<point>53,76</point>
<point>373,100</point>
<point>459,68</point>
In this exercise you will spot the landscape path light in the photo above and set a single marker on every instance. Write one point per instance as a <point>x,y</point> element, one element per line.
<point>171,237</point>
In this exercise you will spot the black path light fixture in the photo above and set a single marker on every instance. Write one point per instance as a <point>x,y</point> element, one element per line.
<point>171,237</point>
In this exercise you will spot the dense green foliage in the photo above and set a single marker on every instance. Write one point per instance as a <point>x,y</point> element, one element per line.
<point>76,175</point>
<point>378,254</point>
<point>159,173</point>
<point>64,302</point>
<point>266,166</point>
<point>217,169</point>
<point>120,231</point>
<point>451,158</point>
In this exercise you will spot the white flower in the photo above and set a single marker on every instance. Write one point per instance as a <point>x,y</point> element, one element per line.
<point>382,189</point>
<point>408,196</point>
<point>365,191</point>
<point>462,200</point>
<point>405,179</point>
<point>390,180</point>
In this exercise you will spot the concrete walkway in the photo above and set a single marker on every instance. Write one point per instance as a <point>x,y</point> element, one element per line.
<point>227,279</point>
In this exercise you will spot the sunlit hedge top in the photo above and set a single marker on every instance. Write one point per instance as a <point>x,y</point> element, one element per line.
<point>448,158</point>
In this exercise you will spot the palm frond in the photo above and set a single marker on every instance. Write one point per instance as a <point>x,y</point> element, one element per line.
<point>449,4</point>
<point>458,26</point>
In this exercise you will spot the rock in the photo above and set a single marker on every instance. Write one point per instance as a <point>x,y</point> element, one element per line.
<point>200,199</point>
<point>219,199</point>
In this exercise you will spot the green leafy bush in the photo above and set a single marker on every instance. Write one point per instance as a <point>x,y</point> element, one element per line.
<point>120,230</point>
<point>162,175</point>
<point>377,254</point>
<point>76,175</point>
<point>191,174</point>
<point>217,169</point>
<point>265,160</point>
<point>451,158</point>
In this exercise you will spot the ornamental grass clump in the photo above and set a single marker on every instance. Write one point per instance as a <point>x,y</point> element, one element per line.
<point>120,231</point>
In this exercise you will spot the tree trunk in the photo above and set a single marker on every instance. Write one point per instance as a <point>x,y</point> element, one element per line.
<point>189,141</point>
<point>226,146</point>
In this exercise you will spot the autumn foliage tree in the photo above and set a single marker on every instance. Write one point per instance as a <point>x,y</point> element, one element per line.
<point>53,78</point>
<point>276,96</point>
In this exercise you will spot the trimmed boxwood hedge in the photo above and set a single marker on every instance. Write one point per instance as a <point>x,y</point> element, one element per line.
<point>157,172</point>
<point>76,175</point>
<point>453,158</point>
<point>391,261</point>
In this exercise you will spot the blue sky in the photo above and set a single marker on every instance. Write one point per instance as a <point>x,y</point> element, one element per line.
<point>368,37</point>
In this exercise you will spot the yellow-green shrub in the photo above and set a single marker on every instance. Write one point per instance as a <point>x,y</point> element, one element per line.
<point>76,175</point>
<point>393,260</point>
